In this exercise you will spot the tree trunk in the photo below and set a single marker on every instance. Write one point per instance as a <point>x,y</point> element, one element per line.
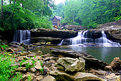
<point>10,1</point>
<point>14,2</point>
<point>1,9</point>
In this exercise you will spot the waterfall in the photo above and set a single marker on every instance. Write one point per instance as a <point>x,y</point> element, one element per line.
<point>83,40</point>
<point>22,36</point>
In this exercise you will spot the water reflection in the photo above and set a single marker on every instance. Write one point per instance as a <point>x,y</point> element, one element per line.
<point>103,53</point>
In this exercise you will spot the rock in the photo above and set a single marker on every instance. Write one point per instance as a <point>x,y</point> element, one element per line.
<point>98,72</point>
<point>61,76</point>
<point>24,53</point>
<point>91,62</point>
<point>53,33</point>
<point>114,35</point>
<point>49,78</point>
<point>31,54</point>
<point>53,36</point>
<point>32,70</point>
<point>22,69</point>
<point>38,65</point>
<point>40,52</point>
<point>116,63</point>
<point>28,74</point>
<point>21,58</point>
<point>27,62</point>
<point>108,68</point>
<point>86,77</point>
<point>37,73</point>
<point>10,50</point>
<point>113,77</point>
<point>40,77</point>
<point>79,76</point>
<point>72,65</point>
<point>36,58</point>
<point>46,40</point>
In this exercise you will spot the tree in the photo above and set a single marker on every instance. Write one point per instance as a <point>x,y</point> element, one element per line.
<point>90,13</point>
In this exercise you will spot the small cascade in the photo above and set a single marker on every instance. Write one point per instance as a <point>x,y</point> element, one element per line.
<point>22,36</point>
<point>83,40</point>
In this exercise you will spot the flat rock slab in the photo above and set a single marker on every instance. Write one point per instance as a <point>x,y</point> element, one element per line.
<point>86,77</point>
<point>91,62</point>
<point>79,76</point>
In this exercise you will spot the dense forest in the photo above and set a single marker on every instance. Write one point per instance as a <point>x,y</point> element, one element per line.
<point>89,13</point>
<point>25,14</point>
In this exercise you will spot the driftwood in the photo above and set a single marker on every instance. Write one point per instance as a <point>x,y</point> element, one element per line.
<point>91,62</point>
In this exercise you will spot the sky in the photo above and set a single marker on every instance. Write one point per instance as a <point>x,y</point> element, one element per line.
<point>59,1</point>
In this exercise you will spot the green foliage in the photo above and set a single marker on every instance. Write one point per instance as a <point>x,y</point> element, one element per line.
<point>32,14</point>
<point>6,70</point>
<point>17,77</point>
<point>16,17</point>
<point>90,13</point>
<point>3,46</point>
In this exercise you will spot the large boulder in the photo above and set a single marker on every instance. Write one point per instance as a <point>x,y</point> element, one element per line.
<point>114,35</point>
<point>53,33</point>
<point>71,64</point>
<point>90,61</point>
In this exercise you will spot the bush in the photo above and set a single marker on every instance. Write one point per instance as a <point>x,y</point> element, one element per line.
<point>6,70</point>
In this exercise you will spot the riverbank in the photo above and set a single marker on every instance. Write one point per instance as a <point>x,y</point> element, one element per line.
<point>58,65</point>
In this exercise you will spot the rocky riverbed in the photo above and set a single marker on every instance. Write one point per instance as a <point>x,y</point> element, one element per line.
<point>62,65</point>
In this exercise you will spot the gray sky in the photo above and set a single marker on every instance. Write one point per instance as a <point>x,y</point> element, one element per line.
<point>59,1</point>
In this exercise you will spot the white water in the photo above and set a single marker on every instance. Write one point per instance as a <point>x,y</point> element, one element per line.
<point>82,40</point>
<point>22,36</point>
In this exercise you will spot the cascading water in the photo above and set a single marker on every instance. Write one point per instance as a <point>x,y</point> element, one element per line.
<point>22,36</point>
<point>83,40</point>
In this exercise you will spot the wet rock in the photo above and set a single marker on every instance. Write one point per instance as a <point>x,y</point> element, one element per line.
<point>49,78</point>
<point>21,69</point>
<point>86,77</point>
<point>72,65</point>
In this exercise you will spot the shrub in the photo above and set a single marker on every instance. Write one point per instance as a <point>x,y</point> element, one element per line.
<point>6,70</point>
